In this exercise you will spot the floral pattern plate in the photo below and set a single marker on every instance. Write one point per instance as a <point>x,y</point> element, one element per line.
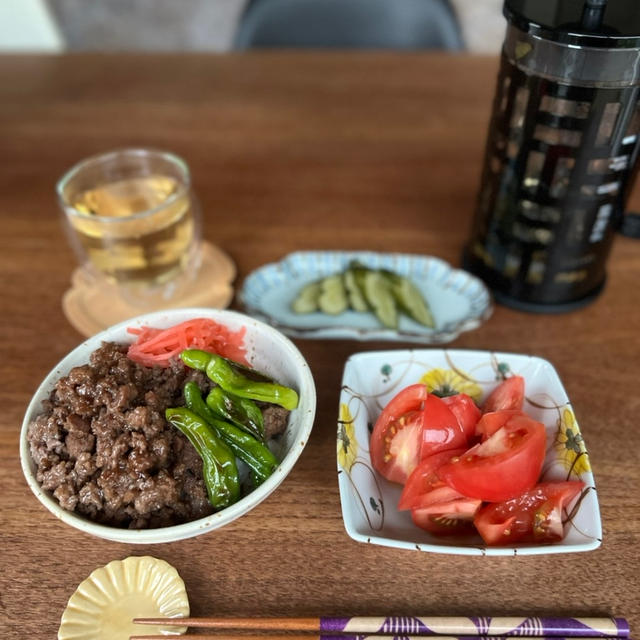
<point>459,301</point>
<point>369,502</point>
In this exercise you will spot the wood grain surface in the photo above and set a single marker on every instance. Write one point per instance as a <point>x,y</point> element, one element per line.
<point>300,151</point>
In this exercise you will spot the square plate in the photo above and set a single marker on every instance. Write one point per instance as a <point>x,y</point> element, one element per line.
<point>369,501</point>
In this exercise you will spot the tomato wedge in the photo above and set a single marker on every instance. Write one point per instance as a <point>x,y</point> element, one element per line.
<point>396,438</point>
<point>440,428</point>
<point>465,410</point>
<point>447,518</point>
<point>534,516</point>
<point>424,479</point>
<point>490,422</point>
<point>509,394</point>
<point>503,466</point>
<point>435,506</point>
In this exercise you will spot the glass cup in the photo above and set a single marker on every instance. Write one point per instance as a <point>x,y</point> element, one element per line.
<point>134,224</point>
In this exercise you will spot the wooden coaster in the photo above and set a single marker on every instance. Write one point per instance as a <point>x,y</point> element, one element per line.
<point>90,308</point>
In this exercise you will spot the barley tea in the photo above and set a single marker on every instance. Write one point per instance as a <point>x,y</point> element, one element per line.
<point>137,230</point>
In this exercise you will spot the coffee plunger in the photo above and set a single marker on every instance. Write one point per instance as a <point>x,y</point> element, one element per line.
<point>561,152</point>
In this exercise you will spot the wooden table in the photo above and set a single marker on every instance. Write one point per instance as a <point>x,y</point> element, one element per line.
<point>299,151</point>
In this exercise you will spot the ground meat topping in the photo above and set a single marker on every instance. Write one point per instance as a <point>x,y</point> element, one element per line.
<point>104,449</point>
<point>275,418</point>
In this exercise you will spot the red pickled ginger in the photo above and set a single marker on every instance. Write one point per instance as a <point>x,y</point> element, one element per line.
<point>157,347</point>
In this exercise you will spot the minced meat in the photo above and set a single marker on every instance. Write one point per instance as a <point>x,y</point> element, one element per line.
<point>104,449</point>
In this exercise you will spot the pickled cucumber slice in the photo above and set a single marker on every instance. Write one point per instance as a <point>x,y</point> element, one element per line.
<point>333,297</point>
<point>307,299</point>
<point>359,273</point>
<point>377,289</point>
<point>410,299</point>
<point>363,289</point>
<point>357,300</point>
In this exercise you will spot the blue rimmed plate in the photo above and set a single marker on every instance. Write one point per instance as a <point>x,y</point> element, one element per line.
<point>369,501</point>
<point>459,301</point>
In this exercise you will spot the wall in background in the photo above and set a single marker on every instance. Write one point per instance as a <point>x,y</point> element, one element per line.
<point>148,25</point>
<point>175,25</point>
<point>28,25</point>
<point>483,25</point>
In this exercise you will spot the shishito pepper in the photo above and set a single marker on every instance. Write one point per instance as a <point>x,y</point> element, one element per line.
<point>242,412</point>
<point>253,453</point>
<point>222,373</point>
<point>196,358</point>
<point>219,469</point>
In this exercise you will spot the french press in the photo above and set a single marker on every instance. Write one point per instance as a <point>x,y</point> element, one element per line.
<point>561,151</point>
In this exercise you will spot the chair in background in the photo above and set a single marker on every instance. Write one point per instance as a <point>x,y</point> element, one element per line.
<point>372,24</point>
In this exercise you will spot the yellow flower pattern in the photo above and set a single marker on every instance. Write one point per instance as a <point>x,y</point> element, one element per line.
<point>347,443</point>
<point>447,382</point>
<point>570,446</point>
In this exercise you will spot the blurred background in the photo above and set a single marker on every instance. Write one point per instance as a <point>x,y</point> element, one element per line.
<point>55,26</point>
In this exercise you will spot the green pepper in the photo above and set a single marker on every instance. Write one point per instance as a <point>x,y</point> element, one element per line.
<point>242,412</point>
<point>252,452</point>
<point>219,469</point>
<point>196,358</point>
<point>222,373</point>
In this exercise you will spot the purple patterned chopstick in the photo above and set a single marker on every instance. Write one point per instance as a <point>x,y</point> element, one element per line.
<point>480,626</point>
<point>404,636</point>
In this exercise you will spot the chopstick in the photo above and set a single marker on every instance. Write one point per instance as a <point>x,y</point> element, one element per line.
<point>224,635</point>
<point>445,628</point>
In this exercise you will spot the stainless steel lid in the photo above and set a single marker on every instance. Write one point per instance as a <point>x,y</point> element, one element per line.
<point>612,24</point>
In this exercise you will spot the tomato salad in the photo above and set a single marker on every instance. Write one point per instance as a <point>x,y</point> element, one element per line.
<point>464,468</point>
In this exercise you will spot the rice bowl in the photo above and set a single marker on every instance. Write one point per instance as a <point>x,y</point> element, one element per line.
<point>267,351</point>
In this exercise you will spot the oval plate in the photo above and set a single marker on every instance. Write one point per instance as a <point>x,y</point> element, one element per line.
<point>459,301</point>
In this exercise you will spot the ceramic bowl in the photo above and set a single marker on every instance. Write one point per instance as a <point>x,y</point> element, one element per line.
<point>267,351</point>
<point>369,501</point>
